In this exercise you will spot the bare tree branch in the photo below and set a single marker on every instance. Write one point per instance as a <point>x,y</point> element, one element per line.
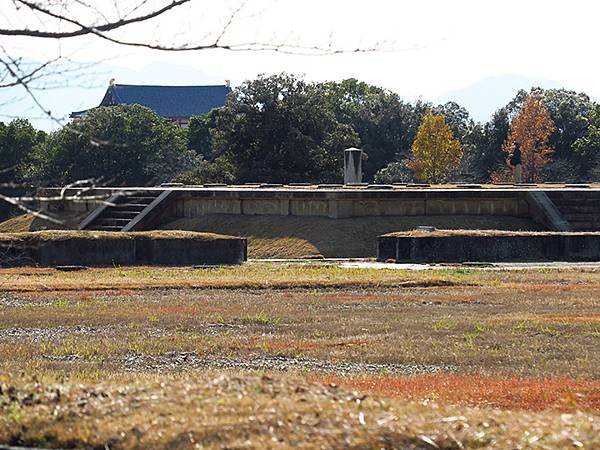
<point>83,29</point>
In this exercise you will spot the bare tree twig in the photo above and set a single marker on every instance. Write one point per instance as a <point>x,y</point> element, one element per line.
<point>83,29</point>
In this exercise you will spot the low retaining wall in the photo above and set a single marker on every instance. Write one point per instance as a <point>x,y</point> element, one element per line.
<point>316,201</point>
<point>487,246</point>
<point>172,248</point>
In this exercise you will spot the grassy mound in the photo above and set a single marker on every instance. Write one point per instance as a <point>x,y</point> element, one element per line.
<point>29,222</point>
<point>486,233</point>
<point>61,235</point>
<point>305,237</point>
<point>100,248</point>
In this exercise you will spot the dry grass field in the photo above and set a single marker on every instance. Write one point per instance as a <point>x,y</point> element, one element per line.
<point>300,355</point>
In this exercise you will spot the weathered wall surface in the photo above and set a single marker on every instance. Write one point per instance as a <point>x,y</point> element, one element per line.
<point>489,247</point>
<point>122,249</point>
<point>327,201</point>
<point>345,204</point>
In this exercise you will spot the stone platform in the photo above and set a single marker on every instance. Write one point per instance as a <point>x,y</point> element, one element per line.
<point>445,246</point>
<point>582,202</point>
<point>94,248</point>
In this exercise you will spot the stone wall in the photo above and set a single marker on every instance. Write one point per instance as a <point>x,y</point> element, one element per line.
<point>489,246</point>
<point>58,248</point>
<point>324,201</point>
<point>344,204</point>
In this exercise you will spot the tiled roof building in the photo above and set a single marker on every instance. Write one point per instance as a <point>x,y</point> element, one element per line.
<point>177,103</point>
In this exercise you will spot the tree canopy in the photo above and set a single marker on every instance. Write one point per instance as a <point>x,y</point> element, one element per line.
<point>386,125</point>
<point>436,152</point>
<point>280,129</point>
<point>587,147</point>
<point>17,140</point>
<point>123,145</point>
<point>531,130</point>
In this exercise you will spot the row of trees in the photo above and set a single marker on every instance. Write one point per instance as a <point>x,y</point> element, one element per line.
<point>284,129</point>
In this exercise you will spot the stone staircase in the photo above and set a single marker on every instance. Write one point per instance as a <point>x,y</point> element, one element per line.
<point>580,208</point>
<point>126,211</point>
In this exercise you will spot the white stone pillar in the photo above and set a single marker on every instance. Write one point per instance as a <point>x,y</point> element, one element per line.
<point>352,165</point>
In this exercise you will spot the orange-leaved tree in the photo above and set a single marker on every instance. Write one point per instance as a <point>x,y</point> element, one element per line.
<point>531,130</point>
<point>436,153</point>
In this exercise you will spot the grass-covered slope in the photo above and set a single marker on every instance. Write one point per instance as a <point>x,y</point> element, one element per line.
<point>302,237</point>
<point>29,222</point>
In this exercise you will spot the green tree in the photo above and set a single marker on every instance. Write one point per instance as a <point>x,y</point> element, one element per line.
<point>280,129</point>
<point>488,155</point>
<point>220,170</point>
<point>17,140</point>
<point>457,118</point>
<point>126,144</point>
<point>569,111</point>
<point>199,136</point>
<point>436,152</point>
<point>395,172</point>
<point>587,147</point>
<point>384,123</point>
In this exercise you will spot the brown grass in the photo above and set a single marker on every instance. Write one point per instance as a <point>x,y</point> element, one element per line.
<point>28,222</point>
<point>16,224</point>
<point>475,232</point>
<point>476,321</point>
<point>309,275</point>
<point>298,237</point>
<point>248,276</point>
<point>59,235</point>
<point>570,318</point>
<point>230,411</point>
<point>532,394</point>
<point>520,346</point>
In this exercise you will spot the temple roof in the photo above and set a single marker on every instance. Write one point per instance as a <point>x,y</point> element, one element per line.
<point>167,101</point>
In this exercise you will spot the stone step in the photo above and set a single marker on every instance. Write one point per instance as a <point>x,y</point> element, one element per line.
<point>130,205</point>
<point>137,199</point>
<point>112,221</point>
<point>125,210</point>
<point>122,214</point>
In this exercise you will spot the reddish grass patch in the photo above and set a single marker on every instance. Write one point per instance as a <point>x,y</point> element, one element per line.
<point>532,394</point>
<point>552,287</point>
<point>574,318</point>
<point>76,294</point>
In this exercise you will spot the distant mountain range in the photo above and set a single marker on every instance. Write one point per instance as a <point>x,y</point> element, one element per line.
<point>485,96</point>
